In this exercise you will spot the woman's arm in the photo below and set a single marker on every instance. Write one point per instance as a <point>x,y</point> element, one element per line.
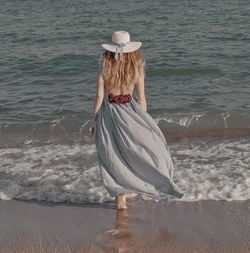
<point>140,90</point>
<point>99,96</point>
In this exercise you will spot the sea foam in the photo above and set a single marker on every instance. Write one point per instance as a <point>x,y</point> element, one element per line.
<point>70,173</point>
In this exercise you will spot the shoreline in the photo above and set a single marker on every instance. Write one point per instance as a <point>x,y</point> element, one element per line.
<point>147,226</point>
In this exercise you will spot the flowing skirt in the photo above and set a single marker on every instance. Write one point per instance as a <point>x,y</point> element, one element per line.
<point>132,152</point>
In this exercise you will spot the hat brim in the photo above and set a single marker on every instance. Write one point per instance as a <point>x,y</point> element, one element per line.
<point>132,46</point>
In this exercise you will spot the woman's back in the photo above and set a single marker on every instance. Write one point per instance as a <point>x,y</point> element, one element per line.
<point>120,90</point>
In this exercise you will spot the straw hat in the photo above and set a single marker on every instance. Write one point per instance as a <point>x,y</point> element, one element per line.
<point>121,44</point>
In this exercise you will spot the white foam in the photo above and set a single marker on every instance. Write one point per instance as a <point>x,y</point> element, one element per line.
<point>227,119</point>
<point>54,173</point>
<point>8,189</point>
<point>212,170</point>
<point>184,121</point>
<point>216,170</point>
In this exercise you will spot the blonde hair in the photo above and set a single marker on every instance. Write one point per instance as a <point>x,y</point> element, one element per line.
<point>121,72</point>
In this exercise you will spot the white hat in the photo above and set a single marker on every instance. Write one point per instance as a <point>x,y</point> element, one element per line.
<point>121,44</point>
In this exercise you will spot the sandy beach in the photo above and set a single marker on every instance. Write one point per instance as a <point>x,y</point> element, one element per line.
<point>147,226</point>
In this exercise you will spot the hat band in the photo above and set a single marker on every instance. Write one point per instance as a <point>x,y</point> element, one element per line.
<point>119,49</point>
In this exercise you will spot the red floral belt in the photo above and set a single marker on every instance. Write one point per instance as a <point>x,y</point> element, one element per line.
<point>119,99</point>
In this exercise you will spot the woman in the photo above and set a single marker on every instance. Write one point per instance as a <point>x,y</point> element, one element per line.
<point>132,151</point>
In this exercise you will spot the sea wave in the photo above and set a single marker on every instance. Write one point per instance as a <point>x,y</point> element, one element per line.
<point>73,128</point>
<point>70,173</point>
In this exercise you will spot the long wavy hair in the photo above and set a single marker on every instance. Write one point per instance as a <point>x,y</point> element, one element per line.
<point>121,72</point>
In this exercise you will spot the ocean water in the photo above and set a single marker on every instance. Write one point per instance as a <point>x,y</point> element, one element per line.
<point>197,88</point>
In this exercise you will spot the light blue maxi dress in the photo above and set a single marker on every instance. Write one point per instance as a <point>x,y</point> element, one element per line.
<point>132,152</point>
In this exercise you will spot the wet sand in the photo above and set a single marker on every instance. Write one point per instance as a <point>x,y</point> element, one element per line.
<point>147,226</point>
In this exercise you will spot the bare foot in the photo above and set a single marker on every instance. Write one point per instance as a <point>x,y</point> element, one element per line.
<point>121,202</point>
